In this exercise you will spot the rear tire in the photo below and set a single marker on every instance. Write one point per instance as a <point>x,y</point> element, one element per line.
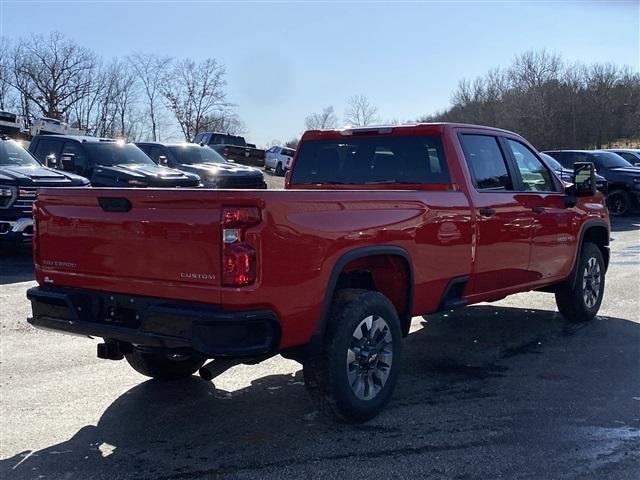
<point>581,302</point>
<point>279,170</point>
<point>619,203</point>
<point>353,376</point>
<point>164,366</point>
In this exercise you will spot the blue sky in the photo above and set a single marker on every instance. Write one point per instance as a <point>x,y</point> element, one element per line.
<point>286,59</point>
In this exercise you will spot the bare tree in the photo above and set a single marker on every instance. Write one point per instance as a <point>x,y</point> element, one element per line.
<point>7,100</point>
<point>360,111</point>
<point>323,120</point>
<point>553,103</point>
<point>50,72</point>
<point>194,92</point>
<point>293,143</point>
<point>151,69</point>
<point>224,121</point>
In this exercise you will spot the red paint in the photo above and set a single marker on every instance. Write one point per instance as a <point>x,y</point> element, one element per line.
<point>169,245</point>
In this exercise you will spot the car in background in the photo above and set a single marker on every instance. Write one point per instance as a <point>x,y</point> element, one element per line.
<point>20,176</point>
<point>214,171</point>
<point>232,147</point>
<point>107,162</point>
<point>566,174</point>
<point>623,178</point>
<point>631,155</point>
<point>278,159</point>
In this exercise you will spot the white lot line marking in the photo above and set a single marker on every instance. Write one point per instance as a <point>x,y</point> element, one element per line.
<point>23,460</point>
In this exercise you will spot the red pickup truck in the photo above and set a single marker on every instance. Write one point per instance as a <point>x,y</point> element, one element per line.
<point>375,226</point>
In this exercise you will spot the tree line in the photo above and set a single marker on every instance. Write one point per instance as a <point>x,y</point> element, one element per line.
<point>553,103</point>
<point>136,97</point>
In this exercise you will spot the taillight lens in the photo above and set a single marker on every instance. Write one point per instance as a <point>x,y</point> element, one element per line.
<point>238,257</point>
<point>238,265</point>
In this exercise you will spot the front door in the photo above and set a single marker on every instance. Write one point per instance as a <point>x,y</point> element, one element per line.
<point>553,237</point>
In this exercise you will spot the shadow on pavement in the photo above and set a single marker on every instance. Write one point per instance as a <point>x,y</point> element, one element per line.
<point>16,264</point>
<point>520,381</point>
<point>625,224</point>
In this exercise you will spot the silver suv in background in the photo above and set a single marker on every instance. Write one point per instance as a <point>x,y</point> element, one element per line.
<point>279,159</point>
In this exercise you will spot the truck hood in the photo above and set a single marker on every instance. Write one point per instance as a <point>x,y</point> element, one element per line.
<point>627,170</point>
<point>39,175</point>
<point>222,169</point>
<point>151,173</point>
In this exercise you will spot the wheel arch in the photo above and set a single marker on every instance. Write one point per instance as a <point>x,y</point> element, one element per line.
<point>358,258</point>
<point>597,232</point>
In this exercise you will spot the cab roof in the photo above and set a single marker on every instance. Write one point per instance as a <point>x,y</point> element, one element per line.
<point>410,128</point>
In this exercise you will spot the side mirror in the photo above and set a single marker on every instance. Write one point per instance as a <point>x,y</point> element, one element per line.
<point>162,160</point>
<point>51,161</point>
<point>68,162</point>
<point>584,179</point>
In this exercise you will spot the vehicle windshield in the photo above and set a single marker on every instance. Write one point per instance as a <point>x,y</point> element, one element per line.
<point>552,162</point>
<point>371,160</point>
<point>116,153</point>
<point>611,160</point>
<point>190,154</point>
<point>12,154</point>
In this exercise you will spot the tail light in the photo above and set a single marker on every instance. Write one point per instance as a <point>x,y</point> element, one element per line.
<point>238,257</point>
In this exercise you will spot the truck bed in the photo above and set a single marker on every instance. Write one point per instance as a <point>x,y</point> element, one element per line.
<point>167,243</point>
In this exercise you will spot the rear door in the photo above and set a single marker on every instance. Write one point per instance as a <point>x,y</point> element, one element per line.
<point>148,242</point>
<point>503,227</point>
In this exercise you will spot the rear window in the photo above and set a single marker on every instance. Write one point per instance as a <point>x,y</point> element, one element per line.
<point>288,152</point>
<point>227,140</point>
<point>370,160</point>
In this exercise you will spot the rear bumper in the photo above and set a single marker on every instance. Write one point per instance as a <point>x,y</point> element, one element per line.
<point>18,231</point>
<point>155,322</point>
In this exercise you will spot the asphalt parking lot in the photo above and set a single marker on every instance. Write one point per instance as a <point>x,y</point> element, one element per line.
<point>502,390</point>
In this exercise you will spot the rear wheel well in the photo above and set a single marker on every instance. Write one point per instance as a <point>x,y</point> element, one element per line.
<point>388,274</point>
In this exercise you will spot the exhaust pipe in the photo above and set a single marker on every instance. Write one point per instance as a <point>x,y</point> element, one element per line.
<point>217,367</point>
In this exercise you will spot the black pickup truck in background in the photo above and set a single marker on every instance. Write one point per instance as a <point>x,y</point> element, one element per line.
<point>20,176</point>
<point>106,162</point>
<point>232,147</point>
<point>214,171</point>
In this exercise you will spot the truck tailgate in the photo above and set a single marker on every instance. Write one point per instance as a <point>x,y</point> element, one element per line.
<point>163,243</point>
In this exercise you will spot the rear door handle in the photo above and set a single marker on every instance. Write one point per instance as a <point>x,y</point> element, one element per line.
<point>487,212</point>
<point>538,209</point>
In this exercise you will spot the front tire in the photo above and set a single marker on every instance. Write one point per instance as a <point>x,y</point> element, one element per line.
<point>164,366</point>
<point>581,302</point>
<point>279,170</point>
<point>619,203</point>
<point>353,376</point>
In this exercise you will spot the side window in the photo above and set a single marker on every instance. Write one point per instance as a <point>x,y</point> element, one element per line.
<point>45,148</point>
<point>629,157</point>
<point>486,162</point>
<point>81,160</point>
<point>535,176</point>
